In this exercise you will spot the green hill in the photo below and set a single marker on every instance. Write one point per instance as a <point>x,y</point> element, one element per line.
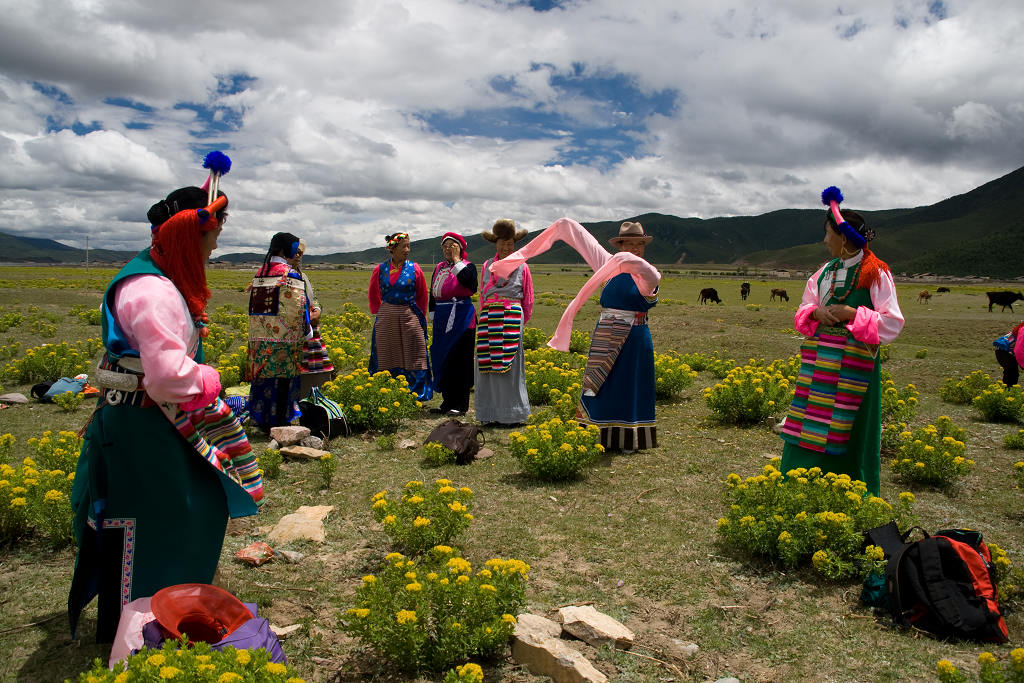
<point>980,232</point>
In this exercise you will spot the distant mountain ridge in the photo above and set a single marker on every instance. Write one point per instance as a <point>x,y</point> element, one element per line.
<point>980,232</point>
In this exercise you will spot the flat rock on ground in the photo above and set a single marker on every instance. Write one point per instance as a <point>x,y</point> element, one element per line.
<point>546,656</point>
<point>289,435</point>
<point>594,627</point>
<point>304,452</point>
<point>306,522</point>
<point>539,626</point>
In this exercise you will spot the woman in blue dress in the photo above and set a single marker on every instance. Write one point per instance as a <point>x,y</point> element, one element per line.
<point>618,384</point>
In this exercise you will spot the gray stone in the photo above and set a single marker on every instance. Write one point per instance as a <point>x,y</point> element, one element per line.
<point>312,442</point>
<point>545,656</point>
<point>595,628</point>
<point>483,454</point>
<point>304,452</point>
<point>306,522</point>
<point>408,443</point>
<point>13,398</point>
<point>284,631</point>
<point>290,556</point>
<point>288,435</point>
<point>683,649</point>
<point>273,445</point>
<point>730,679</point>
<point>539,626</point>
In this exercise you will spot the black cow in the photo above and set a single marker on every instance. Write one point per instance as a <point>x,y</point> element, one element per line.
<point>709,294</point>
<point>745,290</point>
<point>941,290</point>
<point>1004,299</point>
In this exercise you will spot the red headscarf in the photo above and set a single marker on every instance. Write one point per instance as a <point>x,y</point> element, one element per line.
<point>177,250</point>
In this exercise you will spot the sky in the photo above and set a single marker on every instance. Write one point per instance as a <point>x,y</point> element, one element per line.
<point>347,120</point>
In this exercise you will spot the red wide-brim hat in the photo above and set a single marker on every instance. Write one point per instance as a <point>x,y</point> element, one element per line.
<point>203,612</point>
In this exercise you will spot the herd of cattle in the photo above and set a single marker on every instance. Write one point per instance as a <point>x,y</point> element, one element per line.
<point>1004,299</point>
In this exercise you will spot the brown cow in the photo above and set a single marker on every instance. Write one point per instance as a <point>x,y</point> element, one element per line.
<point>924,295</point>
<point>781,293</point>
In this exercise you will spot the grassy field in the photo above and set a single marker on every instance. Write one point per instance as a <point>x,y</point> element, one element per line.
<point>635,536</point>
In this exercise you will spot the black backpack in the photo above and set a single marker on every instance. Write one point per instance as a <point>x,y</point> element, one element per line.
<point>943,584</point>
<point>323,416</point>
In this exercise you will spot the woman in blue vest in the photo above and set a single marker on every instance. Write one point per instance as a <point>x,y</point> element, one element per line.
<point>158,475</point>
<point>399,298</point>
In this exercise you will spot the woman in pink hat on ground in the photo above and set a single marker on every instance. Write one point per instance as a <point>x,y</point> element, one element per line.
<point>451,353</point>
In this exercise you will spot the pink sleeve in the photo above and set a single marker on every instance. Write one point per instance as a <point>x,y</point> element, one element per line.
<point>1018,348</point>
<point>153,316</point>
<point>564,229</point>
<point>211,389</point>
<point>644,274</point>
<point>422,295</point>
<point>884,324</point>
<point>527,293</point>
<point>809,302</point>
<point>374,294</point>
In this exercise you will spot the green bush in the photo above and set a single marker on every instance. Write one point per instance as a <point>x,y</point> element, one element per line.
<point>963,391</point>
<point>270,463</point>
<point>747,395</point>
<point>69,400</point>
<point>386,442</point>
<point>326,466</point>
<point>999,403</point>
<point>181,661</point>
<point>806,515</point>
<point>932,455</point>
<point>436,454</point>
<point>50,361</point>
<point>671,375</point>
<point>380,402</point>
<point>556,450</point>
<point>533,338</point>
<point>424,516</point>
<point>1014,441</point>
<point>434,613</point>
<point>544,375</point>
<point>898,405</point>
<point>579,342</point>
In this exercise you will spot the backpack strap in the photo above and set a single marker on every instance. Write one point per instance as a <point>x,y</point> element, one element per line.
<point>947,600</point>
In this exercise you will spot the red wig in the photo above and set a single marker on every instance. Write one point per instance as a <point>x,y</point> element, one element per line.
<point>177,250</point>
<point>870,266</point>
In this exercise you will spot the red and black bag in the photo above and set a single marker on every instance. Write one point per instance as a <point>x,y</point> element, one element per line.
<point>943,584</point>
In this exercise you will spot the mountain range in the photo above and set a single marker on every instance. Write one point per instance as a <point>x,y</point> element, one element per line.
<point>980,232</point>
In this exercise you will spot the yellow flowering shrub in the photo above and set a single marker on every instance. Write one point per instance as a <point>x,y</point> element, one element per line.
<point>35,495</point>
<point>379,402</point>
<point>898,405</point>
<point>579,342</point>
<point>891,439</point>
<point>748,394</point>
<point>932,455</point>
<point>345,338</point>
<point>991,670</point>
<point>1009,579</point>
<point>178,661</point>
<point>533,338</point>
<point>999,403</point>
<point>543,376</point>
<point>424,516</point>
<point>671,375</point>
<point>467,673</point>
<point>431,613</point>
<point>50,361</point>
<point>270,462</point>
<point>1014,441</point>
<point>806,515</point>
<point>555,450</point>
<point>962,391</point>
<point>437,454</point>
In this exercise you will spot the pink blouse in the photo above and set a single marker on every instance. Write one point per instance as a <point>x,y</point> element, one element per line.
<point>155,320</point>
<point>879,326</point>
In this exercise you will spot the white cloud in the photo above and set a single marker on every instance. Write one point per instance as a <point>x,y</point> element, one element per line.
<point>895,103</point>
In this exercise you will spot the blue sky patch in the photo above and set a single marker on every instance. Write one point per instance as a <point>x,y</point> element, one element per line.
<point>53,92</point>
<point>601,118</point>
<point>129,104</point>
<point>137,125</point>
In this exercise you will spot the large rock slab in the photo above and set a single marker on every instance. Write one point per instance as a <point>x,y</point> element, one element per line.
<point>306,522</point>
<point>288,435</point>
<point>594,627</point>
<point>546,656</point>
<point>14,398</point>
<point>304,452</point>
<point>541,627</point>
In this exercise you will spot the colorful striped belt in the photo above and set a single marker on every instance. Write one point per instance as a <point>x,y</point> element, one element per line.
<point>634,317</point>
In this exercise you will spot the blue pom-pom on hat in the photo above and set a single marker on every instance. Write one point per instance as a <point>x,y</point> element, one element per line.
<point>831,194</point>
<point>217,162</point>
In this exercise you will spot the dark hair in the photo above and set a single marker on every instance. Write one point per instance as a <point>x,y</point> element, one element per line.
<point>180,200</point>
<point>283,244</point>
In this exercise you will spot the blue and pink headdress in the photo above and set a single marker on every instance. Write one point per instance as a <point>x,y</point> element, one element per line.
<point>832,197</point>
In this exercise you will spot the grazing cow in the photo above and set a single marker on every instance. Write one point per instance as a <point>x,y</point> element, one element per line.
<point>709,294</point>
<point>781,293</point>
<point>745,290</point>
<point>924,295</point>
<point>940,290</point>
<point>1004,299</point>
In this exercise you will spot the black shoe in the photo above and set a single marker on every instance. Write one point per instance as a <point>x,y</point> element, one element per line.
<point>455,413</point>
<point>436,411</point>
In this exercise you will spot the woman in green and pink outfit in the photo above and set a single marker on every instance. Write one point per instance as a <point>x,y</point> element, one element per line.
<point>849,308</point>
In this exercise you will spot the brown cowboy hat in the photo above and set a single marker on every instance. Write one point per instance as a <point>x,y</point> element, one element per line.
<point>629,230</point>
<point>504,229</point>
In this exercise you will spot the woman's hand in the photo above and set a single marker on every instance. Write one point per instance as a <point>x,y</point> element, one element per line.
<point>314,315</point>
<point>824,315</point>
<point>834,314</point>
